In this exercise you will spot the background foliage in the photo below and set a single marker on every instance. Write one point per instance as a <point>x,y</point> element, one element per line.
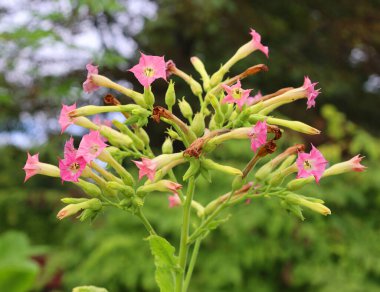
<point>44,47</point>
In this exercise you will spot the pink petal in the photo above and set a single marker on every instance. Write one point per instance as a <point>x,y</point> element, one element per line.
<point>64,119</point>
<point>256,41</point>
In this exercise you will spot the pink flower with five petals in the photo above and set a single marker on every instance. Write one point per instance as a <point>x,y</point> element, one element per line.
<point>311,164</point>
<point>354,162</point>
<point>31,166</point>
<point>146,167</point>
<point>149,69</point>
<point>64,119</point>
<point>235,94</point>
<point>91,146</point>
<point>258,135</point>
<point>71,166</point>
<point>89,86</point>
<point>256,41</point>
<point>311,92</point>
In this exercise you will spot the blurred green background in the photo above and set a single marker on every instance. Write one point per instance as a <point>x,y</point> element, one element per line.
<point>43,51</point>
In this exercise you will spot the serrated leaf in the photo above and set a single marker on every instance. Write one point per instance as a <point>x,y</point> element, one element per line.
<point>165,262</point>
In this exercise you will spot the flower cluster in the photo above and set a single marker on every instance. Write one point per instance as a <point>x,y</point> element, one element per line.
<point>226,112</point>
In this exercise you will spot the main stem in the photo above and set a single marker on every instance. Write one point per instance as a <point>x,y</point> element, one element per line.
<point>193,260</point>
<point>183,248</point>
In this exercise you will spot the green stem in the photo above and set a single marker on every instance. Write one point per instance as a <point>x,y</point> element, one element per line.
<point>193,260</point>
<point>183,248</point>
<point>204,224</point>
<point>145,221</point>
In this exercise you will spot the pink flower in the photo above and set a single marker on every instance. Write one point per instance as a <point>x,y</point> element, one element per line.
<point>256,40</point>
<point>355,163</point>
<point>149,69</point>
<point>310,92</point>
<point>72,166</point>
<point>31,166</point>
<point>89,86</point>
<point>146,167</point>
<point>235,94</point>
<point>172,186</point>
<point>258,135</point>
<point>312,163</point>
<point>174,201</point>
<point>91,146</point>
<point>64,119</point>
<point>255,99</point>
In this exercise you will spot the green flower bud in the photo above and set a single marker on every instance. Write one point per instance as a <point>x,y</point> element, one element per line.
<point>210,164</point>
<point>199,66</point>
<point>314,204</point>
<point>185,109</point>
<point>89,188</point>
<point>94,204</point>
<point>167,146</point>
<point>198,124</point>
<point>115,138</point>
<point>137,142</point>
<point>170,97</point>
<point>142,134</point>
<point>173,134</point>
<point>73,200</point>
<point>148,97</point>
<point>193,169</point>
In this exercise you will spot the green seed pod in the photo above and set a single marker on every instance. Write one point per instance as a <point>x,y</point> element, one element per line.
<point>198,124</point>
<point>167,146</point>
<point>170,97</point>
<point>185,109</point>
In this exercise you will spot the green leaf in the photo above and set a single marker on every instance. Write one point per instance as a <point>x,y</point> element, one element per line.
<point>89,289</point>
<point>165,261</point>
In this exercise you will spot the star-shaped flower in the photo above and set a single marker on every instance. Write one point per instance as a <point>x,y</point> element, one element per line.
<point>256,41</point>
<point>64,119</point>
<point>149,69</point>
<point>31,166</point>
<point>311,92</point>
<point>91,146</point>
<point>311,164</point>
<point>89,86</point>
<point>258,135</point>
<point>71,166</point>
<point>235,94</point>
<point>146,167</point>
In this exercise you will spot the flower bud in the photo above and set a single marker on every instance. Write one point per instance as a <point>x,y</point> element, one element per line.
<point>160,186</point>
<point>280,175</point>
<point>294,125</point>
<point>170,97</point>
<point>173,134</point>
<point>167,146</point>
<point>185,109</point>
<point>311,203</point>
<point>115,138</point>
<point>73,200</point>
<point>198,124</point>
<point>125,190</point>
<point>193,169</point>
<point>89,188</point>
<point>142,134</point>
<point>199,66</point>
<point>105,82</point>
<point>210,164</point>
<point>94,204</point>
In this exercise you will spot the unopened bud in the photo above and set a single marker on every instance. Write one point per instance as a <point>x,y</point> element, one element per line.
<point>89,188</point>
<point>148,97</point>
<point>143,135</point>
<point>94,204</point>
<point>185,109</point>
<point>212,165</point>
<point>167,146</point>
<point>170,97</point>
<point>173,134</point>
<point>280,175</point>
<point>294,125</point>
<point>115,137</point>
<point>198,124</point>
<point>314,204</point>
<point>199,66</point>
